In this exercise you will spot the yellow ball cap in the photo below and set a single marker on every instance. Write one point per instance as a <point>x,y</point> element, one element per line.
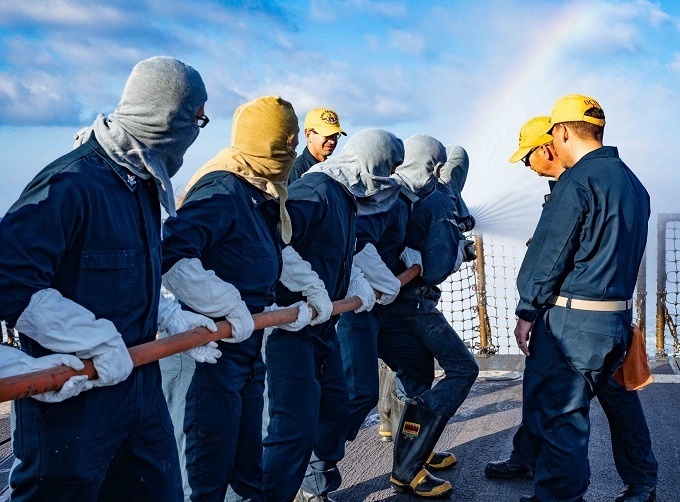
<point>324,122</point>
<point>573,108</point>
<point>532,134</point>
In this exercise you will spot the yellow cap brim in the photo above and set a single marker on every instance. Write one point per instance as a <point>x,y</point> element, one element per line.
<point>522,151</point>
<point>519,154</point>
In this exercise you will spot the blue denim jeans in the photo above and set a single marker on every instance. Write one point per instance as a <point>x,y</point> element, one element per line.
<point>573,354</point>
<point>109,443</point>
<point>308,408</point>
<point>413,334</point>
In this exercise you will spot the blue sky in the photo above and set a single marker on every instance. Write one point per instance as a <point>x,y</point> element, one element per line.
<point>469,73</point>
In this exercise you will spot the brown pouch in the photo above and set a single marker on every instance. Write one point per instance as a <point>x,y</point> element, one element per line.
<point>634,373</point>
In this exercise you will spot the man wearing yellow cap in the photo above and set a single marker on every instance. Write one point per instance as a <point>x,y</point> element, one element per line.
<point>322,131</point>
<point>631,442</point>
<point>575,287</point>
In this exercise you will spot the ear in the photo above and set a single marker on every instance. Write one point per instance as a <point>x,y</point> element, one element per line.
<point>549,151</point>
<point>308,133</point>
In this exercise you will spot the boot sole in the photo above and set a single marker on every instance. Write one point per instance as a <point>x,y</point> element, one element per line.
<point>407,489</point>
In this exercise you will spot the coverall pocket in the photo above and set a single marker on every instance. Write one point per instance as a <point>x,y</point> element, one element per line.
<point>104,282</point>
<point>594,342</point>
<point>259,264</point>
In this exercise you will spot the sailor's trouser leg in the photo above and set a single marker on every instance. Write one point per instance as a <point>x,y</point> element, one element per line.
<point>358,337</point>
<point>631,442</point>
<point>177,371</point>
<point>572,355</point>
<point>522,451</point>
<point>294,395</point>
<point>322,475</point>
<point>459,365</point>
<point>221,398</point>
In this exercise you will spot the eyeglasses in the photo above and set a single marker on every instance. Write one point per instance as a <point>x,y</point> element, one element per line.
<point>526,157</point>
<point>330,137</point>
<point>202,121</point>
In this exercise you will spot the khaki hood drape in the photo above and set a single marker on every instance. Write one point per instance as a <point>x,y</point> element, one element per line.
<point>260,151</point>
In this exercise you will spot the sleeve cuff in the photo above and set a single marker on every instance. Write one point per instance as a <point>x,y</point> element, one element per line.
<point>527,315</point>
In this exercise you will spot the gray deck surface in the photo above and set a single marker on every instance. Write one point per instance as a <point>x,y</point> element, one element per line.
<point>482,430</point>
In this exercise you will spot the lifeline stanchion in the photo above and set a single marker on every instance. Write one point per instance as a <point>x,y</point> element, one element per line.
<point>29,384</point>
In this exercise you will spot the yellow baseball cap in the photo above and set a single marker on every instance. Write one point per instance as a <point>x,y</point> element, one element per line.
<point>573,108</point>
<point>324,122</point>
<point>532,135</point>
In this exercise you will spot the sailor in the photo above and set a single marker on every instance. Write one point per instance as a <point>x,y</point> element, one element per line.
<point>414,332</point>
<point>80,274</point>
<point>308,402</point>
<point>575,286</point>
<point>222,258</point>
<point>322,132</point>
<point>452,176</point>
<point>631,442</point>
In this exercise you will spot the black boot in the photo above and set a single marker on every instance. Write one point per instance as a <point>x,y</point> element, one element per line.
<point>508,468</point>
<point>419,431</point>
<point>387,387</point>
<point>441,461</point>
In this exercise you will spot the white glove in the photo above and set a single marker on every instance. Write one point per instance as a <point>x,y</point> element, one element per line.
<point>16,362</point>
<point>173,320</point>
<point>297,275</point>
<point>359,286</point>
<point>242,323</point>
<point>412,257</point>
<point>64,326</point>
<point>113,366</point>
<point>377,274</point>
<point>208,353</point>
<point>72,387</point>
<point>206,293</point>
<point>303,319</point>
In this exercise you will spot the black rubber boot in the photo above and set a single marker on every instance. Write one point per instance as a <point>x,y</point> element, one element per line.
<point>419,431</point>
<point>387,387</point>
<point>441,461</point>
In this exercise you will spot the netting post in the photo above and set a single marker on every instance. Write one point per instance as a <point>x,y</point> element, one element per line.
<point>660,287</point>
<point>641,298</point>
<point>484,327</point>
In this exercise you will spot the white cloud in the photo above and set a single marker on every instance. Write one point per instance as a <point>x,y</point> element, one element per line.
<point>60,13</point>
<point>36,100</point>
<point>406,42</point>
<point>675,64</point>
<point>389,9</point>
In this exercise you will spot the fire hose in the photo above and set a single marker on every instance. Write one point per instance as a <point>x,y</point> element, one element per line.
<point>29,384</point>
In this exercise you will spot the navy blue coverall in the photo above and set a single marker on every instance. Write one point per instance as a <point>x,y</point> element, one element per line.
<point>413,331</point>
<point>358,333</point>
<point>91,230</point>
<point>631,442</point>
<point>231,227</point>
<point>301,165</point>
<point>588,245</point>
<point>308,402</point>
